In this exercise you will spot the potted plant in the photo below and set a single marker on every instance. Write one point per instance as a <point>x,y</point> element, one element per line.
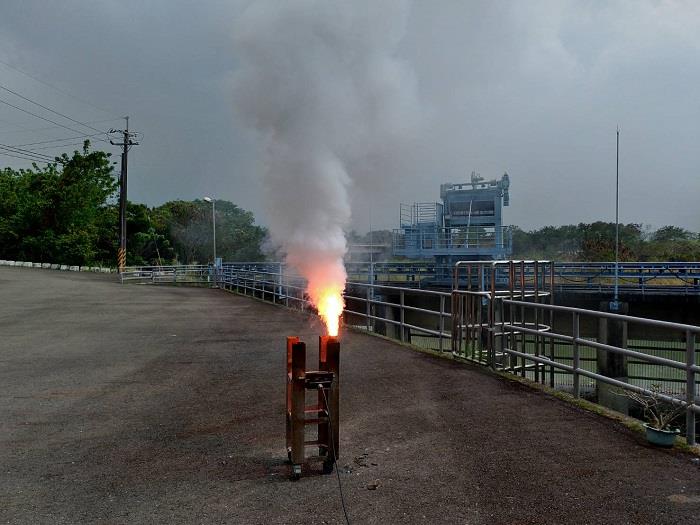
<point>659,413</point>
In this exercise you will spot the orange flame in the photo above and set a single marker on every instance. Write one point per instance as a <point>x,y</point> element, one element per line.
<point>330,306</point>
<point>325,276</point>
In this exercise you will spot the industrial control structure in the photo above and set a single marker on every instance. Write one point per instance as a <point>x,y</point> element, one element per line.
<point>466,225</point>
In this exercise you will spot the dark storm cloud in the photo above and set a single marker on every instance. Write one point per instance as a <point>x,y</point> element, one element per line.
<point>164,63</point>
<point>534,88</point>
<point>538,88</point>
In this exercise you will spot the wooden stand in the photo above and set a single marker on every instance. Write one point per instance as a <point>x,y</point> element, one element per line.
<point>324,414</point>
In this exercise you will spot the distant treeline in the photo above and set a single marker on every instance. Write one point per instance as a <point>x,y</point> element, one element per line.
<point>596,242</point>
<point>582,242</point>
<point>67,213</point>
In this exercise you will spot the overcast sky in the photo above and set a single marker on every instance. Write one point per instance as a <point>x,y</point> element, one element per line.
<point>532,88</point>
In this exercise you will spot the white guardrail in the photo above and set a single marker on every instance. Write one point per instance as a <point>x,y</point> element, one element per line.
<point>60,267</point>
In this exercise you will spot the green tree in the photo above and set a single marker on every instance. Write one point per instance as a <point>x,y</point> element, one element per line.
<point>671,243</point>
<point>237,236</point>
<point>66,213</point>
<point>52,214</point>
<point>672,233</point>
<point>596,242</point>
<point>188,224</point>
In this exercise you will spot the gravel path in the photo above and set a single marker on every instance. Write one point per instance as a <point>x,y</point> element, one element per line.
<point>142,404</point>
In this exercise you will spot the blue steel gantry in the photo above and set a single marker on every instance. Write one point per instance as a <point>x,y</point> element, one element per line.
<point>466,225</point>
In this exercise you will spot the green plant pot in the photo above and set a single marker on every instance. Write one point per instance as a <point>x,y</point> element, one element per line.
<point>661,438</point>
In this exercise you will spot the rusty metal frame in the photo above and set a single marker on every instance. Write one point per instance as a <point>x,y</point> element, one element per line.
<point>324,414</point>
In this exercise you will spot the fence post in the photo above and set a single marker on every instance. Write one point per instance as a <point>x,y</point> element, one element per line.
<point>576,357</point>
<point>492,319</point>
<point>690,387</point>
<point>464,330</point>
<point>523,335</point>
<point>368,309</point>
<point>401,313</point>
<point>279,280</point>
<point>505,342</point>
<point>452,325</point>
<point>551,323</point>
<point>537,320</point>
<point>442,319</point>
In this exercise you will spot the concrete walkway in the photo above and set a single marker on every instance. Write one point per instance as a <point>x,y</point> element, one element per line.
<point>142,404</point>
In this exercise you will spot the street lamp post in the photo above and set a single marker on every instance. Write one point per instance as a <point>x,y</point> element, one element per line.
<point>213,224</point>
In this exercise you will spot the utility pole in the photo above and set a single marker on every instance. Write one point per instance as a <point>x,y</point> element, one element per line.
<point>126,144</point>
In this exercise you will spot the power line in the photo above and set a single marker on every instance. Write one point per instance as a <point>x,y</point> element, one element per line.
<point>55,88</point>
<point>58,140</point>
<point>25,158</point>
<point>32,130</point>
<point>47,108</point>
<point>44,118</point>
<point>60,145</point>
<point>33,155</point>
<point>28,154</point>
<point>13,124</point>
<point>24,151</point>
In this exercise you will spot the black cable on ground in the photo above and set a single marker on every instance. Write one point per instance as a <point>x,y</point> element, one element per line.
<point>335,462</point>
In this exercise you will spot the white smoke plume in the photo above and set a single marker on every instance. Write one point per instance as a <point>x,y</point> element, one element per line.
<point>320,81</point>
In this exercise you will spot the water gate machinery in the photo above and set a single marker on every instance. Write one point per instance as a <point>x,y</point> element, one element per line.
<point>466,225</point>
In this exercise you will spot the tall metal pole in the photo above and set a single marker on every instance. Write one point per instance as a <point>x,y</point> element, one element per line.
<point>121,254</point>
<point>213,222</point>
<point>213,227</point>
<point>617,217</point>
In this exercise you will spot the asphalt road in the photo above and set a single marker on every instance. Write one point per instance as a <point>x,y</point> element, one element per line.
<point>142,404</point>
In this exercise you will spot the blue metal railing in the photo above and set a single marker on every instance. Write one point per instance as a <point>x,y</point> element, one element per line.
<point>647,278</point>
<point>592,277</point>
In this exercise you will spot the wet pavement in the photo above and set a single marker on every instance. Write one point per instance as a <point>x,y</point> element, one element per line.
<point>144,404</point>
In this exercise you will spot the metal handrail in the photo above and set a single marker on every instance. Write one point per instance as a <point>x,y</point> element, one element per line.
<point>689,366</point>
<point>270,282</point>
<point>608,315</point>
